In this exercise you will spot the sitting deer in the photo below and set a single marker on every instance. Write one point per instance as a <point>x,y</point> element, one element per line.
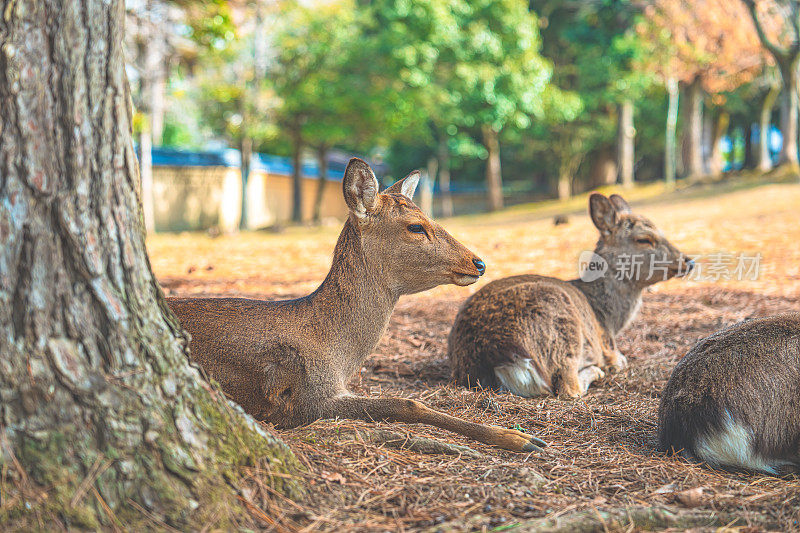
<point>289,362</point>
<point>534,335</point>
<point>733,401</point>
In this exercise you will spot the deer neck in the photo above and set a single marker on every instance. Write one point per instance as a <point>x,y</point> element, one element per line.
<point>353,304</point>
<point>615,301</point>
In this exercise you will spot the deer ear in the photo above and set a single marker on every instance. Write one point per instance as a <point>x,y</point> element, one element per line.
<point>406,186</point>
<point>603,213</point>
<point>620,204</point>
<point>360,188</point>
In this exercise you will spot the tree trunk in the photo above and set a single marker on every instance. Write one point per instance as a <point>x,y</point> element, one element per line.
<point>764,125</point>
<point>426,186</point>
<point>103,422</point>
<point>604,168</point>
<point>694,129</point>
<point>246,151</point>
<point>708,133</point>
<point>322,163</point>
<point>749,162</point>
<point>494,179</point>
<point>625,144</point>
<point>297,177</point>
<point>789,115</point>
<point>444,177</point>
<point>670,152</point>
<point>564,186</point>
<point>720,127</point>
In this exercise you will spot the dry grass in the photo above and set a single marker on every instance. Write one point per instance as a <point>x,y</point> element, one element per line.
<point>600,456</point>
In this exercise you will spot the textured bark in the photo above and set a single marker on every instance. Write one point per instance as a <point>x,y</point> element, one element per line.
<point>98,405</point>
<point>625,144</point>
<point>494,179</point>
<point>670,152</point>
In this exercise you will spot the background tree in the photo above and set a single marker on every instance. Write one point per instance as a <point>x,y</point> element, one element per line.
<point>704,45</point>
<point>102,420</point>
<point>787,58</point>
<point>231,81</point>
<point>502,77</point>
<point>594,49</point>
<point>317,105</point>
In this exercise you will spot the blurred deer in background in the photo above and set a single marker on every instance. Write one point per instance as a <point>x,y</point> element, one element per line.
<point>535,335</point>
<point>289,362</point>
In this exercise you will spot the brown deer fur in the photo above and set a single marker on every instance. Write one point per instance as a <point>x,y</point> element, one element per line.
<point>536,335</point>
<point>289,362</point>
<point>733,401</point>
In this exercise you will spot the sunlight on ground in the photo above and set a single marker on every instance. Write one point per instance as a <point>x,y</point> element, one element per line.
<point>762,220</point>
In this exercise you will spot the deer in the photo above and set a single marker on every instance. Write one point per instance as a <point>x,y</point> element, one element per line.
<point>733,401</point>
<point>535,335</point>
<point>289,362</point>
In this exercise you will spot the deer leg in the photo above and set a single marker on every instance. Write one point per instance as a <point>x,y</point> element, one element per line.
<point>614,360</point>
<point>413,412</point>
<point>589,375</point>
<point>617,362</point>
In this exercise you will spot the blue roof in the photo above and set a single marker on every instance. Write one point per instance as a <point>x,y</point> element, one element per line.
<point>273,164</point>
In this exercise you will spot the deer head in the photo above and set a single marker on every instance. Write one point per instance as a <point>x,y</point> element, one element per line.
<point>412,252</point>
<point>632,245</point>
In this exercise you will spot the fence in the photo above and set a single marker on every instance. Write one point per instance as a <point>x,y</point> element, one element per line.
<point>200,190</point>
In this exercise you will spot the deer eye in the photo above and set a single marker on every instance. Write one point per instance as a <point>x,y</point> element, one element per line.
<point>416,228</point>
<point>646,241</point>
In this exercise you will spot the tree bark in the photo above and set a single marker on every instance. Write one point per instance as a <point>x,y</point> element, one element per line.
<point>625,144</point>
<point>426,186</point>
<point>494,178</point>
<point>764,125</point>
<point>720,127</point>
<point>444,177</point>
<point>566,172</point>
<point>297,176</point>
<point>749,162</point>
<point>564,186</point>
<point>670,152</point>
<point>246,152</point>
<point>789,114</point>
<point>322,163</point>
<point>694,129</point>
<point>103,422</point>
<point>787,59</point>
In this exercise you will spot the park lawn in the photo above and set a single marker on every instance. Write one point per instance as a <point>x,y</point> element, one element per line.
<point>601,465</point>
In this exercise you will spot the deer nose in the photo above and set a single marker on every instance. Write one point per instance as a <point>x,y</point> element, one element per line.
<point>689,265</point>
<point>480,265</point>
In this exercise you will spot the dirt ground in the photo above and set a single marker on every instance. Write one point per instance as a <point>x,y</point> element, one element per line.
<point>600,471</point>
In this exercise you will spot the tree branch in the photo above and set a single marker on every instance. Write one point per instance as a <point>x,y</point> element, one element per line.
<point>779,53</point>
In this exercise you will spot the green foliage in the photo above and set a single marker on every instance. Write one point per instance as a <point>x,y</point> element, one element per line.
<point>396,77</point>
<point>595,51</point>
<point>315,100</point>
